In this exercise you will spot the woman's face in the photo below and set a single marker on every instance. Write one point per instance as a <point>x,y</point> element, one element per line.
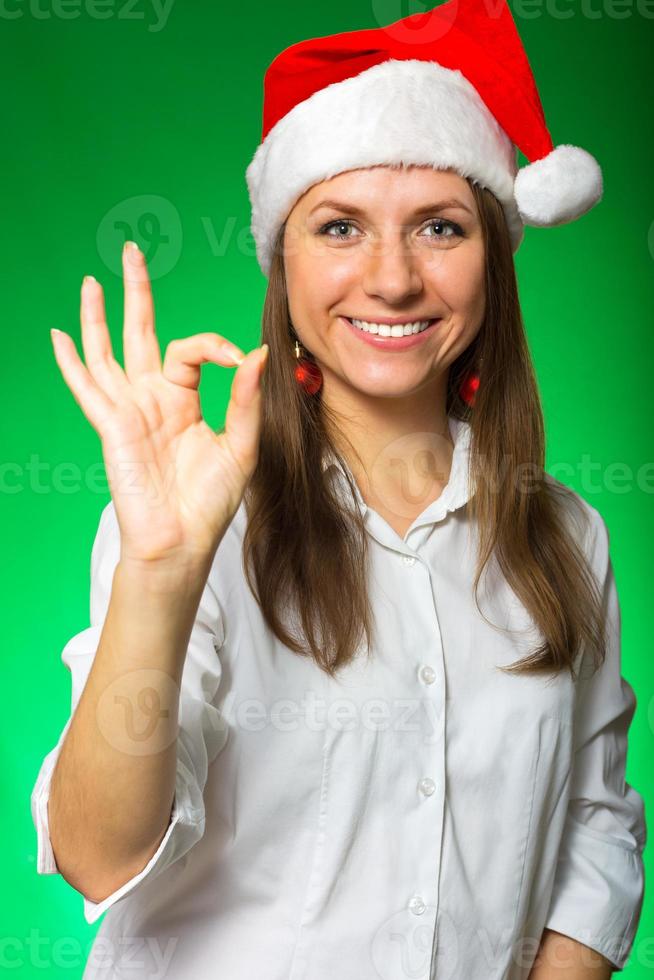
<point>403,244</point>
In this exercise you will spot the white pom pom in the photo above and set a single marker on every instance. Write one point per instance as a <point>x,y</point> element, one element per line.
<point>559,187</point>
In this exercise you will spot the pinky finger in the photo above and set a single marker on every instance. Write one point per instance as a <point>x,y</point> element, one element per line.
<point>95,404</point>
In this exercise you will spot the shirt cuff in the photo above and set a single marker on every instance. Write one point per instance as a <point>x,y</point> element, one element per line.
<point>186,827</point>
<point>45,859</point>
<point>598,892</point>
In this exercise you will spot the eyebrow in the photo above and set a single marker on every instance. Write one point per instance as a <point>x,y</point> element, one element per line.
<point>360,212</point>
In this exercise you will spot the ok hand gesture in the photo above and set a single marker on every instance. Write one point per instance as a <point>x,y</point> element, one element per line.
<point>175,483</point>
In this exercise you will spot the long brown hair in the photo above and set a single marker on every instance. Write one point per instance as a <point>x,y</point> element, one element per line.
<point>305,549</point>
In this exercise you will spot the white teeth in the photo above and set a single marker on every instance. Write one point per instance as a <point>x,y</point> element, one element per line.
<point>384,330</point>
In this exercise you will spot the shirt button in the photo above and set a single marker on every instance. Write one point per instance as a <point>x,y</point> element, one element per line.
<point>408,559</point>
<point>427,674</point>
<point>427,786</point>
<point>417,905</point>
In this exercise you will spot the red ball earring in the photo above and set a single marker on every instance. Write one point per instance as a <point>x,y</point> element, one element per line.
<point>469,387</point>
<point>307,373</point>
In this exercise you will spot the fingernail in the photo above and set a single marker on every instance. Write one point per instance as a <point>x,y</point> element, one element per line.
<point>55,333</point>
<point>132,252</point>
<point>87,279</point>
<point>236,354</point>
<point>265,350</point>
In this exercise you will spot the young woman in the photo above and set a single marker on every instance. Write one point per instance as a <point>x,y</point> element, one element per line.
<point>351,701</point>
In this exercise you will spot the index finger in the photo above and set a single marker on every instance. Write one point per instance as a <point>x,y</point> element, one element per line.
<point>140,345</point>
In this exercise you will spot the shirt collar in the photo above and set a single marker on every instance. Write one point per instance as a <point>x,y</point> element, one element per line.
<point>455,493</point>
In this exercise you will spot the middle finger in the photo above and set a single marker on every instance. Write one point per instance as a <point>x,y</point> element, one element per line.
<point>140,345</point>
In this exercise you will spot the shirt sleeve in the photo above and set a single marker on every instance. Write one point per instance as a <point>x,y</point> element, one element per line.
<point>202,729</point>
<point>599,881</point>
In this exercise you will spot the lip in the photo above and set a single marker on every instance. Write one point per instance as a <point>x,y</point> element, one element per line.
<point>392,343</point>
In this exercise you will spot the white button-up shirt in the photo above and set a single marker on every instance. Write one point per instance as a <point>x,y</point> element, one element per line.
<point>421,815</point>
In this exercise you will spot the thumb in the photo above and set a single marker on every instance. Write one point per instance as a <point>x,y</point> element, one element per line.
<point>243,416</point>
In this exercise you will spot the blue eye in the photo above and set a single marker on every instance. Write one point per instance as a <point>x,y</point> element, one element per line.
<point>455,230</point>
<point>334,224</point>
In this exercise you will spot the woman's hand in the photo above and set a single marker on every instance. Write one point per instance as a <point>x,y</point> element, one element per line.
<point>175,483</point>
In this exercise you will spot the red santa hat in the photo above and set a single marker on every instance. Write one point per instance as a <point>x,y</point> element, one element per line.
<point>450,88</point>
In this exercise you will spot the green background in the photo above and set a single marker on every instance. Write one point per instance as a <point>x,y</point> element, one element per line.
<point>120,113</point>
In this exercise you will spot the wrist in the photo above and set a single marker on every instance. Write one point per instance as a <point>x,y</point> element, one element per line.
<point>181,577</point>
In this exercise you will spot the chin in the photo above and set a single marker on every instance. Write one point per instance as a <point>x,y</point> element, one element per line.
<point>386,387</point>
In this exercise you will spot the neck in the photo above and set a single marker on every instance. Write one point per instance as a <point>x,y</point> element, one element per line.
<point>399,449</point>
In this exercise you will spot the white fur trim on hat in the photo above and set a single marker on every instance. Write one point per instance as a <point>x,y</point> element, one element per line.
<point>559,187</point>
<point>399,111</point>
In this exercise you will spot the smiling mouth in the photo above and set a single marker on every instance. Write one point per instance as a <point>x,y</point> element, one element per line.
<point>399,330</point>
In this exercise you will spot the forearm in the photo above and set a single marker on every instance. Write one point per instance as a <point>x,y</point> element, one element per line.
<point>113,785</point>
<point>563,958</point>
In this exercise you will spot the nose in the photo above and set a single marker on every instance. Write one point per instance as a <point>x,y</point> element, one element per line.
<point>391,272</point>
